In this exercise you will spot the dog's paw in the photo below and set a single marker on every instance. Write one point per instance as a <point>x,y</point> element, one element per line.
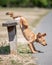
<point>34,52</point>
<point>39,51</point>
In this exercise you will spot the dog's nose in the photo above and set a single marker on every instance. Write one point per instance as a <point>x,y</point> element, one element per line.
<point>46,44</point>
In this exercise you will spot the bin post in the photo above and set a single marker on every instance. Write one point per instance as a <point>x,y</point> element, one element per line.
<point>12,36</point>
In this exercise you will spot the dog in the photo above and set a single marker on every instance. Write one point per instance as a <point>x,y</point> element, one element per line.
<point>30,36</point>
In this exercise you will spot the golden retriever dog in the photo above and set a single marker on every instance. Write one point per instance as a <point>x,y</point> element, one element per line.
<point>30,36</point>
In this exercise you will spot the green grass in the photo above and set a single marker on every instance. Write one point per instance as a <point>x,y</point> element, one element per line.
<point>23,49</point>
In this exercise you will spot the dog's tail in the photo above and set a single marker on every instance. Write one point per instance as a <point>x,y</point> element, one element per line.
<point>9,13</point>
<point>12,15</point>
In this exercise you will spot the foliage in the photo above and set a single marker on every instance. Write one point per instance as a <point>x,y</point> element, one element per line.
<point>5,50</point>
<point>35,2</point>
<point>26,3</point>
<point>43,2</point>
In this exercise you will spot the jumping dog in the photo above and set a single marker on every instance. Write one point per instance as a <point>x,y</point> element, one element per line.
<point>30,36</point>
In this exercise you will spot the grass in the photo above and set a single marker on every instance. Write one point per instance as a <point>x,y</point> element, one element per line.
<point>1,59</point>
<point>13,62</point>
<point>24,50</point>
<point>21,49</point>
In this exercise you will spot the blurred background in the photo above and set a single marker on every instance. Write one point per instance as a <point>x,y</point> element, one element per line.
<point>26,3</point>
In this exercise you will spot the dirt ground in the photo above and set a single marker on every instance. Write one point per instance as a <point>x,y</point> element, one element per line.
<point>33,16</point>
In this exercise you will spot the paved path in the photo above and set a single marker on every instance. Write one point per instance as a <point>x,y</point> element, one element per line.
<point>45,26</point>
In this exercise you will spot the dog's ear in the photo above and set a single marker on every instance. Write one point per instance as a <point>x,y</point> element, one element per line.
<point>39,35</point>
<point>44,34</point>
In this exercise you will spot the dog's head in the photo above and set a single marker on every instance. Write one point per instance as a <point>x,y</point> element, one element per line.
<point>9,13</point>
<point>41,39</point>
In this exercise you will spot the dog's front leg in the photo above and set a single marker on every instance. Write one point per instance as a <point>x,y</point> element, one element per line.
<point>35,49</point>
<point>32,48</point>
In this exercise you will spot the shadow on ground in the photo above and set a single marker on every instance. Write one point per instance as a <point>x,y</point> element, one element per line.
<point>28,52</point>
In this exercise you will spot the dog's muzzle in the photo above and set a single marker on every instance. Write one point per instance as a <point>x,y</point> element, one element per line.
<point>45,45</point>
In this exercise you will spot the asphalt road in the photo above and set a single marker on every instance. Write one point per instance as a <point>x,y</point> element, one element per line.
<point>45,26</point>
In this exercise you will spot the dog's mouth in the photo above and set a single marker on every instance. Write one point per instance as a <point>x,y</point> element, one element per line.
<point>44,44</point>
